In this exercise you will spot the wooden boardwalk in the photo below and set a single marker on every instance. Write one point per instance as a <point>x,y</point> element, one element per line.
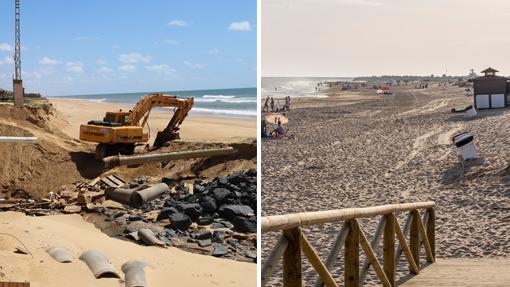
<point>463,272</point>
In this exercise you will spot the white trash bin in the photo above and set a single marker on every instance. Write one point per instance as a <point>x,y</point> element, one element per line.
<point>465,144</point>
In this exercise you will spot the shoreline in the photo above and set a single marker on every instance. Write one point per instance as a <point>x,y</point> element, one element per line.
<point>217,113</point>
<point>206,128</point>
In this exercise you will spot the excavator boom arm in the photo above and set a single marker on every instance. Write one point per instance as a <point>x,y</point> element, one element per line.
<point>146,103</point>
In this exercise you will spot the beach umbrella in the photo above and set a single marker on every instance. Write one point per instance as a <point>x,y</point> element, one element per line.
<point>274,118</point>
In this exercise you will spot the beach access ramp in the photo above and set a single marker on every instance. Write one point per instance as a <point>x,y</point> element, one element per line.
<point>463,272</point>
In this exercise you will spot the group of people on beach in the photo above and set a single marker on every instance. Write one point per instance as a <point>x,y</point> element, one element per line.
<point>272,105</point>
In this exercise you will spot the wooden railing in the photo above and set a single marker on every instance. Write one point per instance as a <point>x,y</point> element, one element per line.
<point>293,243</point>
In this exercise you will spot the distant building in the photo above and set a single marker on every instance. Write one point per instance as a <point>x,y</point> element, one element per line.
<point>490,91</point>
<point>472,75</point>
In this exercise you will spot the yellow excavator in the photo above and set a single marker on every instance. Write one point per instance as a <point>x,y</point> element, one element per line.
<point>120,132</point>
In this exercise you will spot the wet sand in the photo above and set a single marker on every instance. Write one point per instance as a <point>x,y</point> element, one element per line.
<point>392,149</point>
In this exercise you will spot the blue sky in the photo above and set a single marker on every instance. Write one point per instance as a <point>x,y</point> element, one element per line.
<point>98,46</point>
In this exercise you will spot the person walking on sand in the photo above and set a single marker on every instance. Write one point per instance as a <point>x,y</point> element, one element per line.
<point>266,106</point>
<point>276,107</point>
<point>286,106</point>
<point>272,104</point>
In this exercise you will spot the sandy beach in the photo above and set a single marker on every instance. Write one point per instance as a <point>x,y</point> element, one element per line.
<point>76,235</point>
<point>194,127</point>
<point>35,178</point>
<point>392,149</point>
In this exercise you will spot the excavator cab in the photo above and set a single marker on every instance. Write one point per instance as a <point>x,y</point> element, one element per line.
<point>116,117</point>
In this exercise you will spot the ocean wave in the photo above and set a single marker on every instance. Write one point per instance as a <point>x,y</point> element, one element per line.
<point>226,100</point>
<point>80,99</point>
<point>243,113</point>
<point>220,96</point>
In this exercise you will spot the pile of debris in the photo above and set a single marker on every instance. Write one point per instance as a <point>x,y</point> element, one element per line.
<point>216,217</point>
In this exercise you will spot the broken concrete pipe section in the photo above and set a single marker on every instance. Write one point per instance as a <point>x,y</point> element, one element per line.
<point>99,264</point>
<point>113,161</point>
<point>60,254</point>
<point>137,197</point>
<point>147,236</point>
<point>134,273</point>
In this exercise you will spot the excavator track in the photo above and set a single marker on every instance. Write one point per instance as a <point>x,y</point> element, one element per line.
<point>106,150</point>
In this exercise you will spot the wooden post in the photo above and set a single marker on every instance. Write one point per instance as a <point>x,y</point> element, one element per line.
<point>424,238</point>
<point>389,249</point>
<point>431,230</point>
<point>292,258</point>
<point>414,240</point>
<point>351,256</point>
<point>405,248</point>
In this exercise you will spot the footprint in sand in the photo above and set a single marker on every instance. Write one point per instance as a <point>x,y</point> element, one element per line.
<point>429,107</point>
<point>444,138</point>
<point>418,145</point>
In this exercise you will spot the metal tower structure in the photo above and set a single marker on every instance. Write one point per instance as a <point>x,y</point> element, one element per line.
<point>17,44</point>
<point>17,83</point>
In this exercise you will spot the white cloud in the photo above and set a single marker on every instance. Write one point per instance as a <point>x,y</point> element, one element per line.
<point>5,47</point>
<point>178,23</point>
<point>105,70</point>
<point>6,60</point>
<point>127,68</point>
<point>74,67</point>
<point>194,65</point>
<point>172,42</point>
<point>101,62</point>
<point>213,51</point>
<point>240,26</point>
<point>161,69</point>
<point>49,61</point>
<point>134,58</point>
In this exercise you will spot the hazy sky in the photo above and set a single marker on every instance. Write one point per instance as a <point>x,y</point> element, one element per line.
<point>98,46</point>
<point>374,37</point>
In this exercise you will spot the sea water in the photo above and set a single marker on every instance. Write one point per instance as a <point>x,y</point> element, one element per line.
<point>238,103</point>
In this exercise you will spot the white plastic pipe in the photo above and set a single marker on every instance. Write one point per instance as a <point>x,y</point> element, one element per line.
<point>18,139</point>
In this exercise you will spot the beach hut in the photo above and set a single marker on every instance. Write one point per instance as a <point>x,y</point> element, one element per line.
<point>490,90</point>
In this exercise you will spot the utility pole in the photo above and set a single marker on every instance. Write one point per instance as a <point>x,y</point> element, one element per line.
<point>17,83</point>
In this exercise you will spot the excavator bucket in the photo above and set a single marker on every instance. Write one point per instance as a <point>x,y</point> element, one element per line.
<point>164,137</point>
<point>171,132</point>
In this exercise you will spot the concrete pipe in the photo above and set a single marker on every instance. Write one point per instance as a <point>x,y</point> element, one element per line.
<point>99,264</point>
<point>134,274</point>
<point>117,160</point>
<point>18,139</point>
<point>142,196</point>
<point>60,254</point>
<point>148,237</point>
<point>122,195</point>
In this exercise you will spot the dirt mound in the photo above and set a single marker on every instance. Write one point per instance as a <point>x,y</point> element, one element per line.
<point>56,159</point>
<point>38,168</point>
